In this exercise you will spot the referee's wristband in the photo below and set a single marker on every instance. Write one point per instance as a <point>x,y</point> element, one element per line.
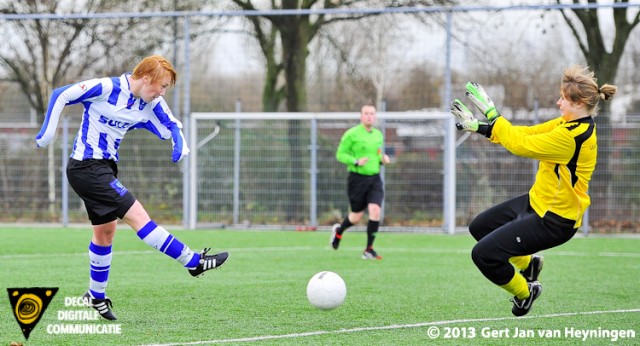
<point>356,163</point>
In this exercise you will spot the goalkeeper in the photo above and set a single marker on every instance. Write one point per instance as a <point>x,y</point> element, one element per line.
<point>511,233</point>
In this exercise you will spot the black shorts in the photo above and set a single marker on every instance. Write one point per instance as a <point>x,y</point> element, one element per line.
<point>363,190</point>
<point>513,228</point>
<point>95,181</point>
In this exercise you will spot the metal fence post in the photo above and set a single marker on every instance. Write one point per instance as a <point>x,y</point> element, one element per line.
<point>189,176</point>
<point>236,166</point>
<point>449,164</point>
<point>313,171</point>
<point>383,129</point>
<point>64,184</point>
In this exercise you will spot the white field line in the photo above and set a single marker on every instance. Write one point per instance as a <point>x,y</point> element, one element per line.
<point>395,326</point>
<point>316,248</point>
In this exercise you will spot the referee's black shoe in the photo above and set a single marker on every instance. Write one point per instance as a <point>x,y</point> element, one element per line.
<point>208,262</point>
<point>335,237</point>
<point>103,306</point>
<point>533,270</point>
<point>522,306</point>
<point>370,254</point>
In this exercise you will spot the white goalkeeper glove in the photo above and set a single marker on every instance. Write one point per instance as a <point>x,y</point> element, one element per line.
<point>465,121</point>
<point>476,93</point>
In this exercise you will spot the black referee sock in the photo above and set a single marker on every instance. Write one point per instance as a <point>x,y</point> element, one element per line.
<point>345,224</point>
<point>372,231</point>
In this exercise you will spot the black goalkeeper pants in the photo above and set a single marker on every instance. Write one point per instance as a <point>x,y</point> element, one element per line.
<point>511,229</point>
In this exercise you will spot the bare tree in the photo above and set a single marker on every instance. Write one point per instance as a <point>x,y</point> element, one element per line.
<point>47,53</point>
<point>374,53</point>
<point>285,41</point>
<point>44,53</point>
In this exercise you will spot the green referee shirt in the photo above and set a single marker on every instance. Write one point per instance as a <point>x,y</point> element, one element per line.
<point>358,143</point>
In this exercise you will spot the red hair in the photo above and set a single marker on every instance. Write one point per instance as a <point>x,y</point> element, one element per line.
<point>155,67</point>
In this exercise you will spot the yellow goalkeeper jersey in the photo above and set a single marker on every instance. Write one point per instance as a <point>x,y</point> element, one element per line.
<point>567,151</point>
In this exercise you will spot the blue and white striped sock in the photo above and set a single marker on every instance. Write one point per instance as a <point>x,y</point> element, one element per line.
<point>100,263</point>
<point>158,238</point>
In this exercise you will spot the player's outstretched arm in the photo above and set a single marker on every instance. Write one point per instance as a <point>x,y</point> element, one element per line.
<point>60,97</point>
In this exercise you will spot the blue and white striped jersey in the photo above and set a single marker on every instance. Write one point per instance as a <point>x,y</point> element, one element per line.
<point>110,110</point>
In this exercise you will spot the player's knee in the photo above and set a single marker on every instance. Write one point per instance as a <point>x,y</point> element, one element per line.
<point>136,216</point>
<point>374,211</point>
<point>477,229</point>
<point>103,235</point>
<point>475,255</point>
<point>480,256</point>
<point>354,218</point>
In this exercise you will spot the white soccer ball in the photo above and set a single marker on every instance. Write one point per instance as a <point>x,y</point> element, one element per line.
<point>326,290</point>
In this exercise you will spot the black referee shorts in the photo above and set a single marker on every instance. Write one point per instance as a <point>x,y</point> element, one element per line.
<point>364,189</point>
<point>513,228</point>
<point>95,181</point>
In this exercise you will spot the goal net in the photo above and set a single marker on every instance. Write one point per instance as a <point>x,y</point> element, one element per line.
<point>279,169</point>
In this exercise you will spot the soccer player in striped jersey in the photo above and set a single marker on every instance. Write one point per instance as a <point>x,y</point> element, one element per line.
<point>511,233</point>
<point>112,107</point>
<point>361,150</point>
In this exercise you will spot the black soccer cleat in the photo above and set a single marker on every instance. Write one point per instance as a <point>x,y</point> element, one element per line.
<point>533,270</point>
<point>335,237</point>
<point>103,306</point>
<point>522,307</point>
<point>208,262</point>
<point>371,254</point>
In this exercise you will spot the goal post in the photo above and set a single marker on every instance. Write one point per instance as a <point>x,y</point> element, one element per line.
<point>414,132</point>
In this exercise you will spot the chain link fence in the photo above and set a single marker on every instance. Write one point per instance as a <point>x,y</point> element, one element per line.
<point>425,67</point>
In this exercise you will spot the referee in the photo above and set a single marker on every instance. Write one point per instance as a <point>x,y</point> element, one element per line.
<point>361,150</point>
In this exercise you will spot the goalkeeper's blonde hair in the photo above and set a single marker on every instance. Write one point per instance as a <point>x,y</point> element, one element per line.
<point>579,85</point>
